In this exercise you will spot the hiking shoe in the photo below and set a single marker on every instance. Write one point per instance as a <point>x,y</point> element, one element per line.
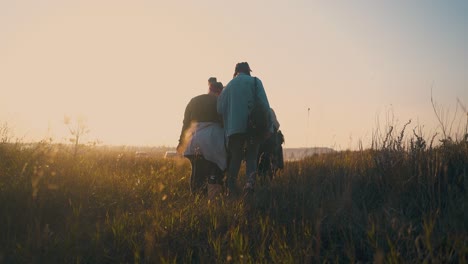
<point>214,190</point>
<point>248,198</point>
<point>233,193</point>
<point>249,187</point>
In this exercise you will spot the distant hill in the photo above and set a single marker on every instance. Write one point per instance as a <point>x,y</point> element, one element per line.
<point>289,153</point>
<point>300,153</point>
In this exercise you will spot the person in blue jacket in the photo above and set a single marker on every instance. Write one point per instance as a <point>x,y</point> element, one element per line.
<point>234,104</point>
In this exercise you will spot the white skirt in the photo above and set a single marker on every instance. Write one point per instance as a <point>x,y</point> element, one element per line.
<point>207,139</point>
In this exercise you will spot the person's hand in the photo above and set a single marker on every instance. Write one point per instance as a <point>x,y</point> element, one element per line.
<point>180,149</point>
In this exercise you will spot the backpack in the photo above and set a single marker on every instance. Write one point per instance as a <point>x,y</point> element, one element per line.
<point>258,122</point>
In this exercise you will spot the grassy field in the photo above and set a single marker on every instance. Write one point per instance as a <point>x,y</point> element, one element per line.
<point>395,203</point>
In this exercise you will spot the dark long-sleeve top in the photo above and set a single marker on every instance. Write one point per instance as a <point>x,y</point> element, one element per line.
<point>201,108</point>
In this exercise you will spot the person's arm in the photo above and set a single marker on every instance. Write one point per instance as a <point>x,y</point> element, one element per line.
<point>185,125</point>
<point>262,97</point>
<point>274,120</point>
<point>220,103</point>
<point>261,94</point>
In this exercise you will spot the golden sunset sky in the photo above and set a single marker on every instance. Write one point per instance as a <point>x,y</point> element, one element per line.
<point>130,67</point>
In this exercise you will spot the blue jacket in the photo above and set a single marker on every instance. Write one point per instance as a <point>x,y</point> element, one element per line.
<point>236,101</point>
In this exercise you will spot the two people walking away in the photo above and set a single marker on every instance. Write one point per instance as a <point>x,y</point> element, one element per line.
<point>202,142</point>
<point>216,137</point>
<point>235,104</point>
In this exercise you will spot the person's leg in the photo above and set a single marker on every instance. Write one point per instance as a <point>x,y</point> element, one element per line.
<point>261,159</point>
<point>192,175</point>
<point>199,175</point>
<point>235,149</point>
<point>280,157</point>
<point>215,180</point>
<point>251,163</point>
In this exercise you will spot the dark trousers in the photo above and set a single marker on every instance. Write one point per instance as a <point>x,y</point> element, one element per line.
<point>203,172</point>
<point>236,145</point>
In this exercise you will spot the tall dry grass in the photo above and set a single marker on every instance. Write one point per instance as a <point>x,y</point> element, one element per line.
<point>404,201</point>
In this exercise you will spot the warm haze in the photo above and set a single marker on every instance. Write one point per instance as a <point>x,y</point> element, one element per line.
<point>130,67</point>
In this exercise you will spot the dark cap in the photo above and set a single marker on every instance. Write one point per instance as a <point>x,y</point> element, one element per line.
<point>243,67</point>
<point>212,80</point>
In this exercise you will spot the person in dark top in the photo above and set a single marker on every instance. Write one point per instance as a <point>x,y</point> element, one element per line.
<point>202,142</point>
<point>200,109</point>
<point>270,155</point>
